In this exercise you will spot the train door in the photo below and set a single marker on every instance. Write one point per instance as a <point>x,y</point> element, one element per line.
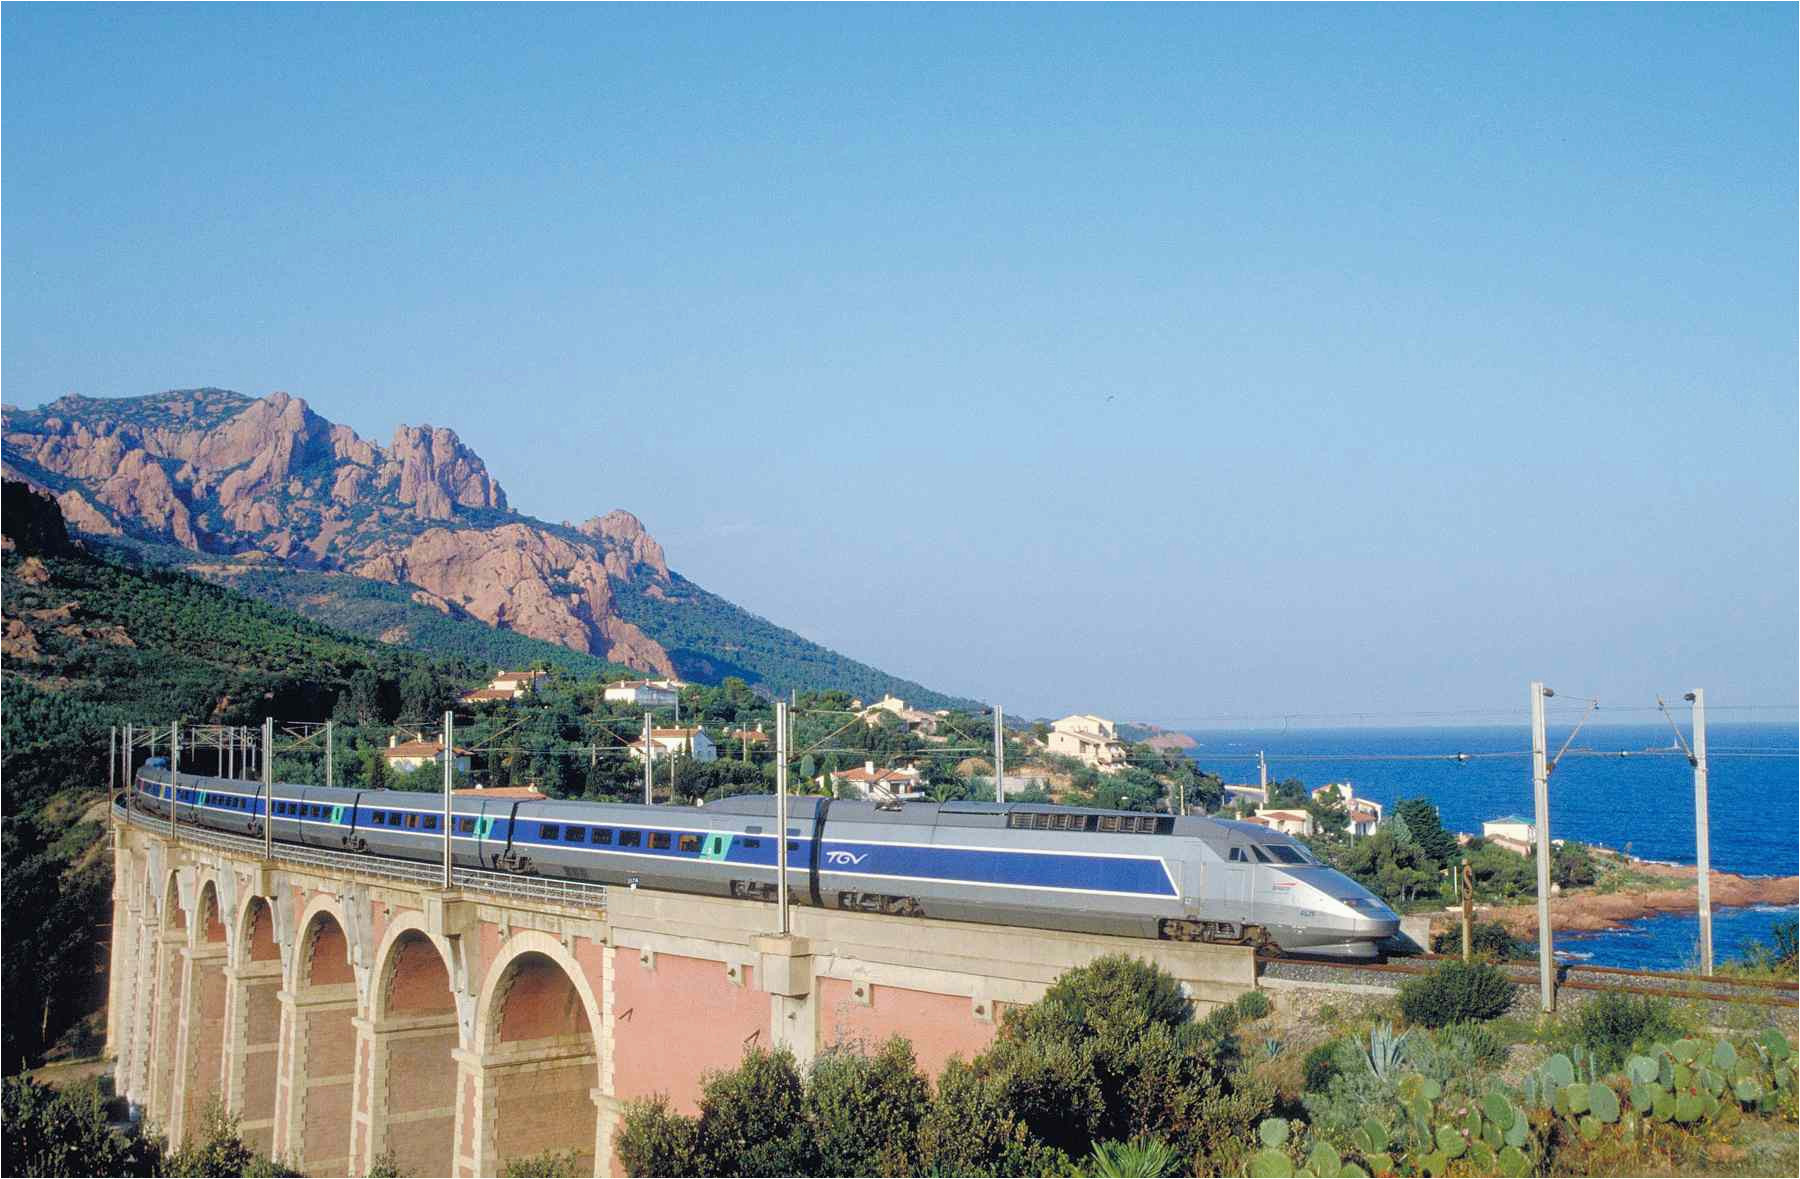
<point>1193,887</point>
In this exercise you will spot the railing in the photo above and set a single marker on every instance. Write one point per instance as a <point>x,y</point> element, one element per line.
<point>574,893</point>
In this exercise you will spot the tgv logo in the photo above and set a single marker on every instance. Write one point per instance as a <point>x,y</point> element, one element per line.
<point>844,857</point>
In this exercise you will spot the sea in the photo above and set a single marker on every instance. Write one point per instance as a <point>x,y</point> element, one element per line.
<point>1620,786</point>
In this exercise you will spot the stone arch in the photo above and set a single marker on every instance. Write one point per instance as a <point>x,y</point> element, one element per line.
<point>200,1041</point>
<point>320,1041</point>
<point>253,1021</point>
<point>414,1037</point>
<point>536,1036</point>
<point>171,942</point>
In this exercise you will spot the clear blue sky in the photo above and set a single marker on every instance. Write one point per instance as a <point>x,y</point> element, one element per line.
<point>1162,362</point>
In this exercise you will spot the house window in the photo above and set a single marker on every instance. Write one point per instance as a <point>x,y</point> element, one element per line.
<point>689,843</point>
<point>659,840</point>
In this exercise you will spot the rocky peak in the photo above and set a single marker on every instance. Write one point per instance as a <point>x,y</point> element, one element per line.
<point>438,473</point>
<point>626,539</point>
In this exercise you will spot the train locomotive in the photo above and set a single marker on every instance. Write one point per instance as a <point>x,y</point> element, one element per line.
<point>1050,867</point>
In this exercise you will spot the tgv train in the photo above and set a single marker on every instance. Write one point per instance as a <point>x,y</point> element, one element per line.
<point>1048,867</point>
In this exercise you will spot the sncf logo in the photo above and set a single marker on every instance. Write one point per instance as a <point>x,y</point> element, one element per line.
<point>844,857</point>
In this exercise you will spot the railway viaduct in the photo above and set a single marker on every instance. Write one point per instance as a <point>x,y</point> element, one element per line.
<point>345,1007</point>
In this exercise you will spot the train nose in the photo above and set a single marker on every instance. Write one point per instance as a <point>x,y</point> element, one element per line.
<point>1371,918</point>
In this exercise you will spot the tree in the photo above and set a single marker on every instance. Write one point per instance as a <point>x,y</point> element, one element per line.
<point>1329,814</point>
<point>1572,865</point>
<point>753,1120</point>
<point>865,1110</point>
<point>360,703</point>
<point>1427,830</point>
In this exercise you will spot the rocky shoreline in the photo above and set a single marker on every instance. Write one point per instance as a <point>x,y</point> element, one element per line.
<point>1589,911</point>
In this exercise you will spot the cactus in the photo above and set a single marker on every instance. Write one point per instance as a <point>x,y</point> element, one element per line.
<point>1641,1069</point>
<point>1273,1132</point>
<point>1604,1103</point>
<point>1387,1052</point>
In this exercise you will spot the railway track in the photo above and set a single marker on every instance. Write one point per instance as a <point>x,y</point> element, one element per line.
<point>1569,976</point>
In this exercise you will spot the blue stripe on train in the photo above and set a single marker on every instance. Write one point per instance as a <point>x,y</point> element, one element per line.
<point>1040,870</point>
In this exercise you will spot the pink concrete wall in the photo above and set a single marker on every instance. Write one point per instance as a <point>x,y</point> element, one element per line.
<point>677,1022</point>
<point>939,1026</point>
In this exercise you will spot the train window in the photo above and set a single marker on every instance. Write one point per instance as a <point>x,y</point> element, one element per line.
<point>751,842</point>
<point>659,839</point>
<point>1262,857</point>
<point>574,834</point>
<point>1109,822</point>
<point>690,843</point>
<point>412,820</point>
<point>630,838</point>
<point>464,826</point>
<point>1286,855</point>
<point>793,846</point>
<point>431,822</point>
<point>548,830</point>
<point>1237,856</point>
<point>377,819</point>
<point>603,835</point>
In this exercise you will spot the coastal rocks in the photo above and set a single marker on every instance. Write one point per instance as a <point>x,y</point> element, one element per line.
<point>1588,911</point>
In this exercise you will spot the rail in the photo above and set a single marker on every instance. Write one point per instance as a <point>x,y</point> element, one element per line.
<point>572,893</point>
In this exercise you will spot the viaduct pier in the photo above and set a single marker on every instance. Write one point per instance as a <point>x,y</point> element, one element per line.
<point>347,1007</point>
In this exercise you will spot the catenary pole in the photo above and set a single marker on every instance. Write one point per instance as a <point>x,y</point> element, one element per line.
<point>130,778</point>
<point>112,764</point>
<point>1540,794</point>
<point>328,741</point>
<point>1702,832</point>
<point>267,758</point>
<point>649,761</point>
<point>781,822</point>
<point>174,771</point>
<point>449,752</point>
<point>999,754</point>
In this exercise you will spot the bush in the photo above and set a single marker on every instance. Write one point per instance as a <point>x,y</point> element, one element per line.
<point>1456,992</point>
<point>1320,1066</point>
<point>1253,1005</point>
<point>550,1164</point>
<point>865,1110</point>
<point>65,1133</point>
<point>1487,939</point>
<point>653,1139</point>
<point>753,1120</point>
<point>1611,1024</point>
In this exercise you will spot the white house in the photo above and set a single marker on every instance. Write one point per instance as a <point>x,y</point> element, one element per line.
<point>508,685</point>
<point>1288,822</point>
<point>1092,740</point>
<point>1511,828</point>
<point>645,693</point>
<point>670,742</point>
<point>915,720</point>
<point>880,784</point>
<point>407,756</point>
<point>1364,813</point>
<point>522,683</point>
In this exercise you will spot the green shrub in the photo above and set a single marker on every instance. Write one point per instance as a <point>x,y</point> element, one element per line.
<point>865,1110</point>
<point>1320,1066</point>
<point>65,1133</point>
<point>654,1140</point>
<point>1456,992</point>
<point>1611,1024</point>
<point>1487,939</point>
<point>1141,1158</point>
<point>1252,1005</point>
<point>753,1119</point>
<point>548,1164</point>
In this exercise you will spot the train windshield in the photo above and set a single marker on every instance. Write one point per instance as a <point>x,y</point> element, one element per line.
<point>1288,854</point>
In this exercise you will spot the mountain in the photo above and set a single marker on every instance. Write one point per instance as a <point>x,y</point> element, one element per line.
<point>411,543</point>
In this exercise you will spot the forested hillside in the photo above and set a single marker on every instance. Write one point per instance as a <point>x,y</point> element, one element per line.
<point>92,644</point>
